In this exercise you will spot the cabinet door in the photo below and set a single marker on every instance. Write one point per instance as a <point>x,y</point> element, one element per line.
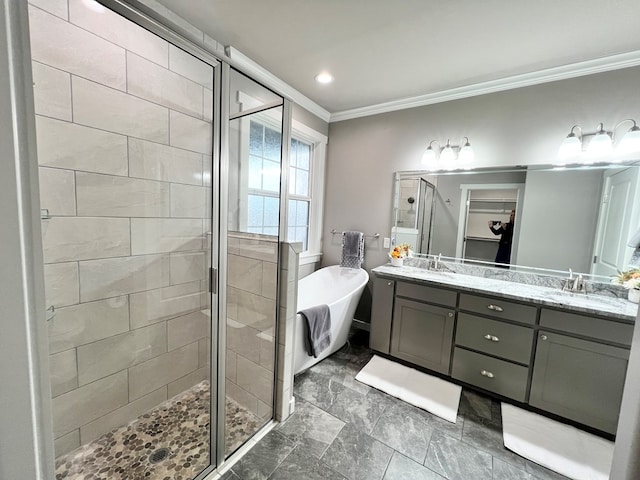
<point>381,313</point>
<point>422,334</point>
<point>579,379</point>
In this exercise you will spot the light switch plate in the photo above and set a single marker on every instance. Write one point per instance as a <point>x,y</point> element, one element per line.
<point>386,243</point>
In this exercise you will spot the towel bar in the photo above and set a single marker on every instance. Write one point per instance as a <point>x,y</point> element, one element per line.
<point>336,232</point>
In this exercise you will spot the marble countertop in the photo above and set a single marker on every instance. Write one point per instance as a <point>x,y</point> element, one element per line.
<point>577,302</point>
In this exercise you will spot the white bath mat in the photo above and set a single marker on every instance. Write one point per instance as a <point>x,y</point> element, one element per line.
<point>559,447</point>
<point>425,391</point>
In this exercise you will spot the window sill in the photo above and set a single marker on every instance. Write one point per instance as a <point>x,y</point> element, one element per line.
<point>306,258</point>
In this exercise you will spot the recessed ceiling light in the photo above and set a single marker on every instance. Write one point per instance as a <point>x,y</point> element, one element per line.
<point>324,77</point>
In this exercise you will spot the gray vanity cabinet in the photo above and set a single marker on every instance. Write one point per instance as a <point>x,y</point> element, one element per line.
<point>422,334</point>
<point>579,379</point>
<point>381,314</point>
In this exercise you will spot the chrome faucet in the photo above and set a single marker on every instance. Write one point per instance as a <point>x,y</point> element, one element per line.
<point>576,285</point>
<point>435,263</point>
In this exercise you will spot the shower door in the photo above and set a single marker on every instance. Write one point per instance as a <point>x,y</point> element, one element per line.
<point>249,248</point>
<point>125,134</point>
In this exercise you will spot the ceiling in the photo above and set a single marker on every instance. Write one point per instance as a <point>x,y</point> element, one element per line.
<point>381,50</point>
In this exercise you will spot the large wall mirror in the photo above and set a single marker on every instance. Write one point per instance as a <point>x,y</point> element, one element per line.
<point>560,218</point>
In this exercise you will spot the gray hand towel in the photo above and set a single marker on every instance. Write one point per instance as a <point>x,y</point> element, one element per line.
<point>352,249</point>
<point>318,321</point>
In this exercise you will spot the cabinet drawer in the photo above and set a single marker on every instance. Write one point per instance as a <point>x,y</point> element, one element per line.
<point>511,342</point>
<point>597,328</point>
<point>498,308</point>
<point>498,376</point>
<point>425,293</point>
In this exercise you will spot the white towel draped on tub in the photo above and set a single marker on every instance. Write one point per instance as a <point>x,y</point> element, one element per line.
<point>352,249</point>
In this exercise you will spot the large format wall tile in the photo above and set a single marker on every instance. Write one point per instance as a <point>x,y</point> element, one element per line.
<point>82,238</point>
<point>122,32</point>
<point>57,191</point>
<point>207,101</point>
<point>245,274</point>
<point>164,303</point>
<point>188,201</point>
<point>187,267</point>
<point>191,67</point>
<point>51,91</point>
<point>67,443</point>
<point>82,405</point>
<point>67,145</point>
<point>104,357</point>
<point>159,371</point>
<point>58,8</point>
<point>190,133</point>
<point>254,379</point>
<point>122,415</point>
<point>243,340</point>
<point>188,381</point>
<point>59,44</point>
<point>157,235</point>
<point>106,195</point>
<point>241,396</point>
<point>119,276</point>
<point>88,322</point>
<point>155,161</point>
<point>187,329</point>
<point>147,80</point>
<point>97,106</point>
<point>63,372</point>
<point>61,284</point>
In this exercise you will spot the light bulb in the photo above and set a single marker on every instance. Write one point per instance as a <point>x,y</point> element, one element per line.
<point>600,145</point>
<point>466,156</point>
<point>429,159</point>
<point>630,143</point>
<point>448,157</point>
<point>571,147</point>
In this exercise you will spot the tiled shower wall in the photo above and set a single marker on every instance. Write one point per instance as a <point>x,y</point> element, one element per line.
<point>124,146</point>
<point>407,213</point>
<point>251,319</point>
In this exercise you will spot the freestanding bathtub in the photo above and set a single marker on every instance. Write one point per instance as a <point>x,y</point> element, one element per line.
<point>338,287</point>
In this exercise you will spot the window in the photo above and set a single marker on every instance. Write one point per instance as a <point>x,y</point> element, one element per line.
<point>299,192</point>
<point>260,182</point>
<point>263,196</point>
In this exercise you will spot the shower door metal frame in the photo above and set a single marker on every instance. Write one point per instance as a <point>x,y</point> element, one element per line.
<point>145,17</point>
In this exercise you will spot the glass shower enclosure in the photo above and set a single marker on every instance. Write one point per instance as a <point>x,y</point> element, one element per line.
<point>152,374</point>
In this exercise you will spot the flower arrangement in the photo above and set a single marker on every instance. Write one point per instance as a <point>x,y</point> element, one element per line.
<point>629,279</point>
<point>401,251</point>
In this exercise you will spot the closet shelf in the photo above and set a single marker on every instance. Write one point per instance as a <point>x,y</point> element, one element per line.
<point>483,239</point>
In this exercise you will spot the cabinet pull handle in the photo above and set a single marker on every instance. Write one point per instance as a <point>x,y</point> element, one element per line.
<point>497,308</point>
<point>450,314</point>
<point>491,338</point>
<point>486,373</point>
<point>543,337</point>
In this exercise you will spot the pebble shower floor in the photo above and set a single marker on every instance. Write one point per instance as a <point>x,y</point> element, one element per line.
<point>170,442</point>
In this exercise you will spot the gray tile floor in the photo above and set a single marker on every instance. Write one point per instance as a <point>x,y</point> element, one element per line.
<point>343,429</point>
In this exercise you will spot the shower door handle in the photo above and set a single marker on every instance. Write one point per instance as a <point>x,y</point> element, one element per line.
<point>213,280</point>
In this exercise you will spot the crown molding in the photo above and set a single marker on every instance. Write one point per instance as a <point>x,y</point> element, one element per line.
<point>589,67</point>
<point>270,80</point>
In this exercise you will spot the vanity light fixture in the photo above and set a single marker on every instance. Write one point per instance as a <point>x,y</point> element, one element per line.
<point>601,144</point>
<point>451,157</point>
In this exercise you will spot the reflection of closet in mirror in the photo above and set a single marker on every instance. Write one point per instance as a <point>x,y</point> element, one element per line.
<point>484,204</point>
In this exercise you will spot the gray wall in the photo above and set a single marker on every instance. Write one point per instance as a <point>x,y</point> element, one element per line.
<point>558,220</point>
<point>517,127</point>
